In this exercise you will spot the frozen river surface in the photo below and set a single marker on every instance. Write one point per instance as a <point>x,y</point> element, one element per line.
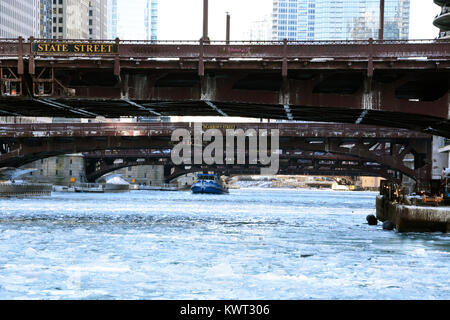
<point>250,244</point>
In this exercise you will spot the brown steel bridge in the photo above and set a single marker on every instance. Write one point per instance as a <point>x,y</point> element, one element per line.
<point>305,147</point>
<point>402,84</point>
<point>99,163</point>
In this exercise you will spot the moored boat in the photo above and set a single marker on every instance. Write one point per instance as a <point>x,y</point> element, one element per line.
<point>114,183</point>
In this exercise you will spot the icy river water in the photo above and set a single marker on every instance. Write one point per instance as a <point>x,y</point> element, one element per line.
<point>249,244</point>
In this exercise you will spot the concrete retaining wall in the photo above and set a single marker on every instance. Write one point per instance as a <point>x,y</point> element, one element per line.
<point>21,190</point>
<point>413,218</point>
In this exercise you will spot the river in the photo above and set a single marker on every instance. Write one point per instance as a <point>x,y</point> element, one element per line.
<point>249,244</point>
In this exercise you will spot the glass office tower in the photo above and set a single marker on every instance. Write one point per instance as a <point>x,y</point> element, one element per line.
<point>20,18</point>
<point>151,19</point>
<point>133,20</point>
<point>338,19</point>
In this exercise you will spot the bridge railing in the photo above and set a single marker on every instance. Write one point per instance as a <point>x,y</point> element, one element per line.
<point>193,49</point>
<point>166,129</point>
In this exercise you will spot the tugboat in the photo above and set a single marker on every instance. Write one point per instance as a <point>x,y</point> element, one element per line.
<point>208,183</point>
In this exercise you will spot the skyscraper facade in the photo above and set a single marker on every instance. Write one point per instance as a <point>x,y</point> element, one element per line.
<point>98,15</point>
<point>79,19</point>
<point>133,20</point>
<point>19,18</point>
<point>46,19</point>
<point>151,19</point>
<point>338,19</point>
<point>112,19</point>
<point>70,19</point>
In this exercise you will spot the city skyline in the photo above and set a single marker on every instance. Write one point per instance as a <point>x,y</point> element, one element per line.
<point>156,19</point>
<point>339,20</point>
<point>243,14</point>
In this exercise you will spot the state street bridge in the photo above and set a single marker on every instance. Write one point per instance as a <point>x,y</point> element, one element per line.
<point>386,152</point>
<point>402,84</point>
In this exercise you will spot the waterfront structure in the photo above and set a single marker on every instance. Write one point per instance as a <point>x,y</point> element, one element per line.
<point>339,19</point>
<point>61,170</point>
<point>136,20</point>
<point>146,175</point>
<point>19,18</point>
<point>442,20</point>
<point>71,169</point>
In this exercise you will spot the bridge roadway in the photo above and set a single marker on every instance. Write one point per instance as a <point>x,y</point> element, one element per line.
<point>402,84</point>
<point>389,148</point>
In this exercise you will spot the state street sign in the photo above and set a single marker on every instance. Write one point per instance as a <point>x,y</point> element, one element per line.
<point>87,48</point>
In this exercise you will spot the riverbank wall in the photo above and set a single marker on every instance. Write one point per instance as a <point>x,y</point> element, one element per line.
<point>24,190</point>
<point>409,218</point>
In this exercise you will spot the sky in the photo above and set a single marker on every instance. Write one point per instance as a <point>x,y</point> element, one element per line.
<point>182,19</point>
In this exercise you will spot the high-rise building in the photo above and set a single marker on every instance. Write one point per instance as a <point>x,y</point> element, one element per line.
<point>70,19</point>
<point>442,20</point>
<point>133,20</point>
<point>112,19</point>
<point>98,15</point>
<point>151,19</point>
<point>45,30</point>
<point>339,19</point>
<point>79,19</point>
<point>19,18</point>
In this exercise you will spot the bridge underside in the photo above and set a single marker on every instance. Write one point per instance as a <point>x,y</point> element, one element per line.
<point>373,155</point>
<point>292,162</point>
<point>393,96</point>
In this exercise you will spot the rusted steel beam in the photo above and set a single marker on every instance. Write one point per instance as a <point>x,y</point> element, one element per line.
<point>382,49</point>
<point>381,27</point>
<point>20,67</point>
<point>228,29</point>
<point>383,172</point>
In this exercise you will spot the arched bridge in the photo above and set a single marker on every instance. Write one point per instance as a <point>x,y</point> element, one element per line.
<point>401,84</point>
<point>99,163</point>
<point>24,143</point>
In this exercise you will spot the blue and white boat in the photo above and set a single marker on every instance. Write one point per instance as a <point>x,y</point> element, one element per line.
<point>208,183</point>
